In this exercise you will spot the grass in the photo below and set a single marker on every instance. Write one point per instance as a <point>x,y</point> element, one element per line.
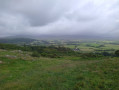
<point>67,73</point>
<point>92,46</point>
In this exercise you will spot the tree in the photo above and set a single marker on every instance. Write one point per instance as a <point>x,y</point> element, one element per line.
<point>117,52</point>
<point>106,54</point>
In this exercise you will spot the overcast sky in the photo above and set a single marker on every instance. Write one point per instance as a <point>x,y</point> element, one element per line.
<point>59,17</point>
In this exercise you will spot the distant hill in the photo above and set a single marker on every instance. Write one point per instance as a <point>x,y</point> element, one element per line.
<point>68,37</point>
<point>16,40</point>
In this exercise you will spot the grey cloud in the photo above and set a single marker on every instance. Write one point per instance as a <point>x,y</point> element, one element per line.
<point>40,12</point>
<point>59,17</point>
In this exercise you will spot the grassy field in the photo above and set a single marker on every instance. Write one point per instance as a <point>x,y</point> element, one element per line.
<point>92,46</point>
<point>20,71</point>
<point>83,45</point>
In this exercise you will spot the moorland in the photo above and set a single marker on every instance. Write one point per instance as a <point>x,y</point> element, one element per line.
<point>59,65</point>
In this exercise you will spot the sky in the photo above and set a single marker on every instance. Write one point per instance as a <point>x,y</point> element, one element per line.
<point>59,17</point>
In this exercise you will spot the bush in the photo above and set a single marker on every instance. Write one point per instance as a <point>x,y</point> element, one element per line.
<point>50,55</point>
<point>117,53</point>
<point>54,56</point>
<point>106,54</point>
<point>89,55</point>
<point>35,54</point>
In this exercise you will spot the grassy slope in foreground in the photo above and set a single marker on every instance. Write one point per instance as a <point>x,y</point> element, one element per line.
<point>20,73</point>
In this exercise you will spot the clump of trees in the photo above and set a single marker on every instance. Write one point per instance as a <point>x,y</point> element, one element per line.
<point>117,52</point>
<point>54,51</point>
<point>90,55</point>
<point>37,51</point>
<point>10,47</point>
<point>106,54</point>
<point>96,55</point>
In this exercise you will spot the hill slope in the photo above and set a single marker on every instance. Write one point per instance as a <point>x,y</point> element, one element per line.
<point>16,40</point>
<point>18,70</point>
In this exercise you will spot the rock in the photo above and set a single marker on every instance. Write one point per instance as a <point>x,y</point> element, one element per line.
<point>1,62</point>
<point>12,57</point>
<point>7,55</point>
<point>20,51</point>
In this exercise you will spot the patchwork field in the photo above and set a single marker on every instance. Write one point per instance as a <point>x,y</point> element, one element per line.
<point>83,45</point>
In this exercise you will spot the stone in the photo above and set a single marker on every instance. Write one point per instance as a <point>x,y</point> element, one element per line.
<point>1,62</point>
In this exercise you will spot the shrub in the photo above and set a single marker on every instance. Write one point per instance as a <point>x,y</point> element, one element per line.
<point>117,52</point>
<point>88,55</point>
<point>44,54</point>
<point>35,54</point>
<point>53,56</point>
<point>106,54</point>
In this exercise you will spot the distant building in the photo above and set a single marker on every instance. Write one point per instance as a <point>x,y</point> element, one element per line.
<point>76,49</point>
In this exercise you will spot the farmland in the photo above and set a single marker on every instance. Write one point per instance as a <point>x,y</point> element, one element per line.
<point>83,45</point>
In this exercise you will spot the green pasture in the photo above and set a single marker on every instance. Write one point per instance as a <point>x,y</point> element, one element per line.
<point>24,72</point>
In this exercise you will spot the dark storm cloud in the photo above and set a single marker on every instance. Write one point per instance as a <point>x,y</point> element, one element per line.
<point>59,17</point>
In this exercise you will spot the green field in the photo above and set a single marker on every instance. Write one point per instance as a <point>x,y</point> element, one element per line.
<point>20,71</point>
<point>92,46</point>
<point>83,45</point>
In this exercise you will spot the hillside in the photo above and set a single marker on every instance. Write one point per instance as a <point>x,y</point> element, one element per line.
<point>20,71</point>
<point>16,40</point>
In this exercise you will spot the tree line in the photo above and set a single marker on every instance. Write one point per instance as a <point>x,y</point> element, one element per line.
<point>53,51</point>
